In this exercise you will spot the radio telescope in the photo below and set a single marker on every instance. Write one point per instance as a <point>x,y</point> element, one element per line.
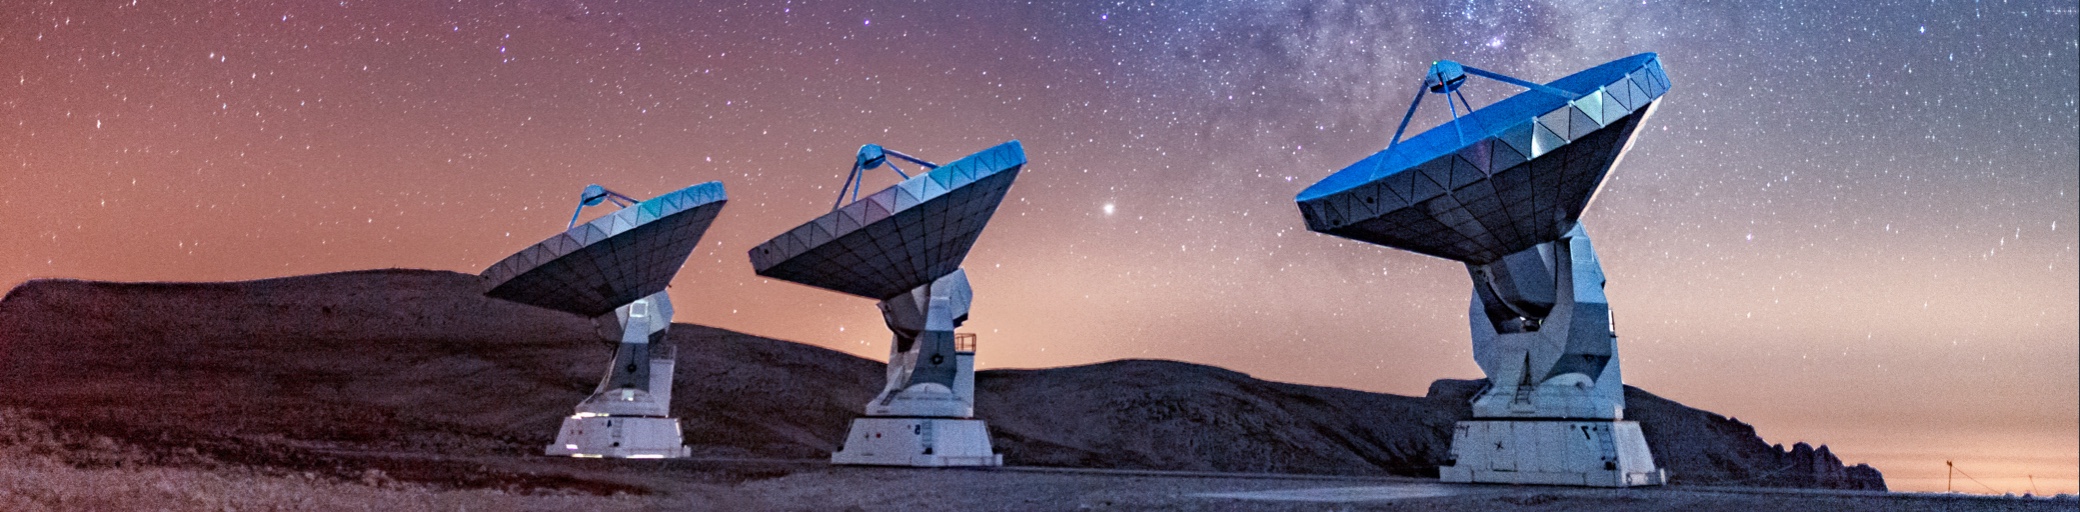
<point>1502,189</point>
<point>903,246</point>
<point>614,269</point>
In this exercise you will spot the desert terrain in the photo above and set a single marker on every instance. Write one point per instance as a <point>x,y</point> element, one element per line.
<point>408,390</point>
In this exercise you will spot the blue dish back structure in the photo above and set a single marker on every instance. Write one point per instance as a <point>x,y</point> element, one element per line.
<point>901,237</point>
<point>613,260</point>
<point>1510,176</point>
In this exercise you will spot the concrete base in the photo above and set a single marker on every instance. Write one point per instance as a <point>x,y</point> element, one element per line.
<point>1593,453</point>
<point>634,437</point>
<point>924,442</point>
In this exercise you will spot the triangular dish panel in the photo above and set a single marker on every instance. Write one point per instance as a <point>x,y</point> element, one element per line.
<point>1425,185</point>
<point>1399,185</point>
<point>1517,136</point>
<point>1580,124</point>
<point>908,192</point>
<point>592,268</point>
<point>1622,92</point>
<point>1388,199</point>
<point>1592,105</point>
<point>1544,140</point>
<point>1555,121</point>
<point>1503,156</point>
<point>897,245</point>
<point>1465,172</point>
<point>1477,154</point>
<point>1612,109</point>
<point>1519,133</point>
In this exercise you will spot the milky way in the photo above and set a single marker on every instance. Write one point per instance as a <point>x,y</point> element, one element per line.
<point>1848,223</point>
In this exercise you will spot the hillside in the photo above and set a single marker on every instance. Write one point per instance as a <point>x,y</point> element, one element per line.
<point>337,373</point>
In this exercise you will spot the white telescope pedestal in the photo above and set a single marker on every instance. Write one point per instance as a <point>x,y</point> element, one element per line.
<point>628,416</point>
<point>925,415</point>
<point>1554,407</point>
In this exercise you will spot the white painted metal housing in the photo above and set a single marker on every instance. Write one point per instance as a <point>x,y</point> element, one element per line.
<point>904,246</point>
<point>925,414</point>
<point>924,442</point>
<point>614,269</point>
<point>1585,453</point>
<point>629,414</point>
<point>1502,189</point>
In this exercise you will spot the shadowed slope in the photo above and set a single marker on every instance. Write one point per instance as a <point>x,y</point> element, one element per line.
<point>1171,415</point>
<point>306,372</point>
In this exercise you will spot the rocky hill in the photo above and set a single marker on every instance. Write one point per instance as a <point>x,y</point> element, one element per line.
<point>315,373</point>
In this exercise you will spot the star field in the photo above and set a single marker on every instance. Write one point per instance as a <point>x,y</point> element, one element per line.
<point>1848,223</point>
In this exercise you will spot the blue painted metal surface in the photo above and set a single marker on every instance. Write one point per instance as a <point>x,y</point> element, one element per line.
<point>901,237</point>
<point>1498,180</point>
<point>605,263</point>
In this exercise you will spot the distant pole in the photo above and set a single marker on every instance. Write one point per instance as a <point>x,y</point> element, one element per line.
<point>2033,486</point>
<point>1947,476</point>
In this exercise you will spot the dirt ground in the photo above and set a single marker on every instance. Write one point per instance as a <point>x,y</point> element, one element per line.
<point>418,361</point>
<point>813,485</point>
<point>52,469</point>
<point>35,483</point>
<point>402,390</point>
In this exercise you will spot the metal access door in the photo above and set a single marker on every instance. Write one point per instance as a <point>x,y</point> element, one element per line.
<point>1501,439</point>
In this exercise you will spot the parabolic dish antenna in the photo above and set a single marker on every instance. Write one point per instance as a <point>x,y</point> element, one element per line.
<point>1502,189</point>
<point>903,246</point>
<point>1498,180</point>
<point>614,269</point>
<point>900,238</point>
<point>608,262</point>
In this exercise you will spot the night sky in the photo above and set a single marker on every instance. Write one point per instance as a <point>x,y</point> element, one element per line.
<point>1848,223</point>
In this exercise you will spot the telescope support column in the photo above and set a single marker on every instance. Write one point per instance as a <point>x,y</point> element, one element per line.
<point>1553,410</point>
<point>628,415</point>
<point>925,415</point>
